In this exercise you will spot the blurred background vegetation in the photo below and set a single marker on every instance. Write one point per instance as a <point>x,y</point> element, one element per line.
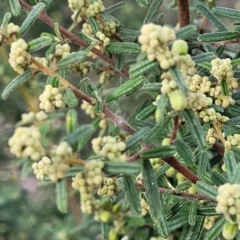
<point>27,206</point>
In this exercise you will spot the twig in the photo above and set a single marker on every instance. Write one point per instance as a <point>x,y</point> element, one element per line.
<point>180,194</point>
<point>183,13</point>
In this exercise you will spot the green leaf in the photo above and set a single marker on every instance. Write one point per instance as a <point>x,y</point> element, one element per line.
<point>235,63</point>
<point>136,137</point>
<point>162,170</point>
<point>31,18</point>
<point>184,151</point>
<point>119,62</point>
<point>125,88</point>
<point>186,31</point>
<point>126,48</point>
<point>207,210</point>
<point>207,190</point>
<point>16,82</point>
<point>26,170</point>
<point>5,21</point>
<point>107,17</point>
<point>72,59</point>
<point>128,33</point>
<point>230,163</point>
<point>69,98</point>
<point>192,216</point>
<point>216,230</point>
<point>183,186</point>
<point>157,152</point>
<point>154,199</point>
<point>114,7</point>
<point>226,12</point>
<point>146,112</point>
<point>152,10</point>
<point>126,168</point>
<point>224,87</point>
<point>177,75</point>
<point>62,196</point>
<point>218,36</point>
<point>135,221</point>
<point>71,120</point>
<point>218,178</point>
<point>204,57</point>
<point>15,7</point>
<point>94,24</point>
<point>161,109</point>
<point>39,43</point>
<point>203,164</point>
<point>205,65</point>
<point>141,68</point>
<point>211,17</point>
<point>151,87</point>
<point>176,208</point>
<point>73,171</point>
<point>195,127</point>
<point>195,231</point>
<point>132,194</point>
<point>233,121</point>
<point>235,178</point>
<point>78,134</point>
<point>143,3</point>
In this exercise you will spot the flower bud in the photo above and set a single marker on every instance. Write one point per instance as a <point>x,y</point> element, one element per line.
<point>166,141</point>
<point>229,230</point>
<point>180,47</point>
<point>177,99</point>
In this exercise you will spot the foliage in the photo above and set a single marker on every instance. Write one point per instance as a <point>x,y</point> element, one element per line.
<point>166,168</point>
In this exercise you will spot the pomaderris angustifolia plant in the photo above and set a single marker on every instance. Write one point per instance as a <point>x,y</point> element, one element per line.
<point>169,168</point>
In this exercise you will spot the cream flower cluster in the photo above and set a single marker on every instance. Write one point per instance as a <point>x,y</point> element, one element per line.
<point>211,136</point>
<point>38,167</point>
<point>19,58</point>
<point>88,108</point>
<point>232,141</point>
<point>200,84</point>
<point>210,115</point>
<point>105,77</point>
<point>108,187</point>
<point>50,99</point>
<point>109,147</point>
<point>88,181</point>
<point>61,152</point>
<point>31,116</point>
<point>197,101</point>
<point>145,206</point>
<point>101,36</point>
<point>154,41</point>
<point>82,68</point>
<point>61,51</point>
<point>228,199</point>
<point>26,143</point>
<point>209,221</point>
<point>11,33</point>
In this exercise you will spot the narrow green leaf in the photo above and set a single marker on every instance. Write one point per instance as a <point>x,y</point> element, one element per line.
<point>15,7</point>
<point>141,68</point>
<point>224,87</point>
<point>39,43</point>
<point>94,24</point>
<point>132,194</point>
<point>162,170</point>
<point>71,120</point>
<point>143,3</point>
<point>161,109</point>
<point>233,121</point>
<point>177,222</point>
<point>176,208</point>
<point>192,216</point>
<point>235,63</point>
<point>126,48</point>
<point>114,7</point>
<point>226,12</point>
<point>207,190</point>
<point>216,230</point>
<point>72,59</point>
<point>184,151</point>
<point>183,186</point>
<point>205,65</point>
<point>177,75</point>
<point>69,98</point>
<point>119,62</point>
<point>204,57</point>
<point>164,151</point>
<point>151,87</point>
<point>218,36</point>
<point>218,178</point>
<point>152,10</point>
<point>146,112</point>
<point>108,17</point>
<point>230,163</point>
<point>195,231</point>
<point>31,18</point>
<point>128,33</point>
<point>154,199</point>
<point>78,134</point>
<point>207,210</point>
<point>203,164</point>
<point>73,171</point>
<point>125,88</point>
<point>16,82</point>
<point>126,168</point>
<point>211,17</point>
<point>62,196</point>
<point>5,21</point>
<point>135,138</point>
<point>195,127</point>
<point>185,32</point>
<point>26,169</point>
<point>235,178</point>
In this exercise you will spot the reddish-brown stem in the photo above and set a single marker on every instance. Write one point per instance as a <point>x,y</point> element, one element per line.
<point>44,17</point>
<point>180,194</point>
<point>218,148</point>
<point>175,128</point>
<point>183,13</point>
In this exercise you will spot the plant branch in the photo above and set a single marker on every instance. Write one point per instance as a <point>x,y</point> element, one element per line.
<point>180,194</point>
<point>44,17</point>
<point>183,13</point>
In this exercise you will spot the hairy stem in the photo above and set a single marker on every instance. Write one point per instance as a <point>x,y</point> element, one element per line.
<point>183,13</point>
